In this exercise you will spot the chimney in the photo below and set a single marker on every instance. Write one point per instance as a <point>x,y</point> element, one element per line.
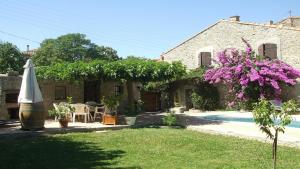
<point>235,18</point>
<point>27,48</point>
<point>271,22</point>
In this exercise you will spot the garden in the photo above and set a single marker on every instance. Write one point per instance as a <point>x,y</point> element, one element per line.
<point>252,82</point>
<point>140,148</point>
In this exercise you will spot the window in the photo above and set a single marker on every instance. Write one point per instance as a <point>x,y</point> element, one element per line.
<point>204,59</point>
<point>60,93</point>
<point>269,50</point>
<point>118,90</point>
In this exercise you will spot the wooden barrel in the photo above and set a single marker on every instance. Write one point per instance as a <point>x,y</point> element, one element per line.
<point>32,116</point>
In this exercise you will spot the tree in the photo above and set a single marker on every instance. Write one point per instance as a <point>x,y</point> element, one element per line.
<point>136,57</point>
<point>272,121</point>
<point>71,48</point>
<point>250,77</point>
<point>103,52</point>
<point>10,58</point>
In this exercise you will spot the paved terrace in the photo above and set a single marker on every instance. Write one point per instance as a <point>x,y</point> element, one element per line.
<point>191,120</point>
<point>13,127</point>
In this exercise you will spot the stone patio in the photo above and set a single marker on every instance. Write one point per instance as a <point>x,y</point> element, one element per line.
<point>191,120</point>
<point>52,127</point>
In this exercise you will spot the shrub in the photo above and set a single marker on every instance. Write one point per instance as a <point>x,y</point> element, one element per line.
<point>205,96</point>
<point>196,100</point>
<point>250,77</point>
<point>111,103</point>
<point>132,110</point>
<point>169,119</point>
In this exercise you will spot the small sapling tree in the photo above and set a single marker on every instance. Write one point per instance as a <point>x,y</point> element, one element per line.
<point>272,121</point>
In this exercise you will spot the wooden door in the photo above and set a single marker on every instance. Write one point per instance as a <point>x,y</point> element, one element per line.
<point>151,101</point>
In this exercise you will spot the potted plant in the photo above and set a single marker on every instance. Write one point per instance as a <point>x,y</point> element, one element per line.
<point>62,112</point>
<point>132,111</point>
<point>111,104</point>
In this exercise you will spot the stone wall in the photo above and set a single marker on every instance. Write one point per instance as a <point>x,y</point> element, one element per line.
<point>8,84</point>
<point>75,90</point>
<point>107,89</point>
<point>226,34</point>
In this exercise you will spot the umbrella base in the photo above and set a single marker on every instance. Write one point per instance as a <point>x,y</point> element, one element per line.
<point>32,116</point>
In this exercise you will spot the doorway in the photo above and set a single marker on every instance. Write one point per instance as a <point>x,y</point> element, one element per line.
<point>92,91</point>
<point>188,100</point>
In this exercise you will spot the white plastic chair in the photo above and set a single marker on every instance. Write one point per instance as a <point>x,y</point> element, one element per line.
<point>81,110</point>
<point>56,108</point>
<point>98,111</point>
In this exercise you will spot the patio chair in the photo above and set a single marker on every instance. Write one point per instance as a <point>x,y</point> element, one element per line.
<point>81,110</point>
<point>56,108</point>
<point>91,110</point>
<point>98,111</point>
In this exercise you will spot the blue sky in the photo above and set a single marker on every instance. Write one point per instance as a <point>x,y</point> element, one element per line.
<point>132,27</point>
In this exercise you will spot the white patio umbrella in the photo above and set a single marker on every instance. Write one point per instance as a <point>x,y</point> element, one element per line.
<point>30,91</point>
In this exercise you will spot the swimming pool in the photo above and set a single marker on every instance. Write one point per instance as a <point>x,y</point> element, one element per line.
<point>294,124</point>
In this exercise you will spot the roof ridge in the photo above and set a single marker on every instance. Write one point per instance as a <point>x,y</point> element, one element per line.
<point>278,26</point>
<point>191,37</point>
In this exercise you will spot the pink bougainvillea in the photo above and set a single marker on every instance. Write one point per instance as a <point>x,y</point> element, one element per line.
<point>245,74</point>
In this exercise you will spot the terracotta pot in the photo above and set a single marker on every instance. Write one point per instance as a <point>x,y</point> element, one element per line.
<point>63,123</point>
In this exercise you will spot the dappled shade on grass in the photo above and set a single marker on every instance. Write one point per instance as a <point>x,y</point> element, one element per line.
<point>141,148</point>
<point>55,152</point>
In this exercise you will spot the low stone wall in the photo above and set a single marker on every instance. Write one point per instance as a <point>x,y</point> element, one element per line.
<point>8,85</point>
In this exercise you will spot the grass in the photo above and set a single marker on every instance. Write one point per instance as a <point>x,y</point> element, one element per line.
<point>140,148</point>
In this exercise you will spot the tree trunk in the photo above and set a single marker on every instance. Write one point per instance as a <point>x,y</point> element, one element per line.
<point>275,149</point>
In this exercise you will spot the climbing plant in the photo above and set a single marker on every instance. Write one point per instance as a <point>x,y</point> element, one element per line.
<point>127,69</point>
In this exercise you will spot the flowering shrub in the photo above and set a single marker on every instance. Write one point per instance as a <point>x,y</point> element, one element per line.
<point>250,77</point>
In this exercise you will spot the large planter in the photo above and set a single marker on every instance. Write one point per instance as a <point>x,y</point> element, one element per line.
<point>109,119</point>
<point>130,120</point>
<point>63,123</point>
<point>32,116</point>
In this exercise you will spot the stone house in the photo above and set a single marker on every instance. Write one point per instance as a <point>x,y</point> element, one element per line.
<point>279,40</point>
<point>58,91</point>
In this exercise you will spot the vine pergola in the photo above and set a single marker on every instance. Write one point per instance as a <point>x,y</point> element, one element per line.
<point>128,70</point>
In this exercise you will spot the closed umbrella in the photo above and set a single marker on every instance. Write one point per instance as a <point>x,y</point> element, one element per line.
<point>30,91</point>
<point>32,114</point>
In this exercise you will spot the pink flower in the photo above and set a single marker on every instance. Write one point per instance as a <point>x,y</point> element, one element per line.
<point>240,95</point>
<point>275,84</point>
<point>231,104</point>
<point>241,71</point>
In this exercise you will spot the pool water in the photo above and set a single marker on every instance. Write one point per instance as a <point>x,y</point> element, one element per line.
<point>294,124</point>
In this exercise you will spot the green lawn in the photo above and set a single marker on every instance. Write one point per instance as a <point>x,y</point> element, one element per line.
<point>140,148</point>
